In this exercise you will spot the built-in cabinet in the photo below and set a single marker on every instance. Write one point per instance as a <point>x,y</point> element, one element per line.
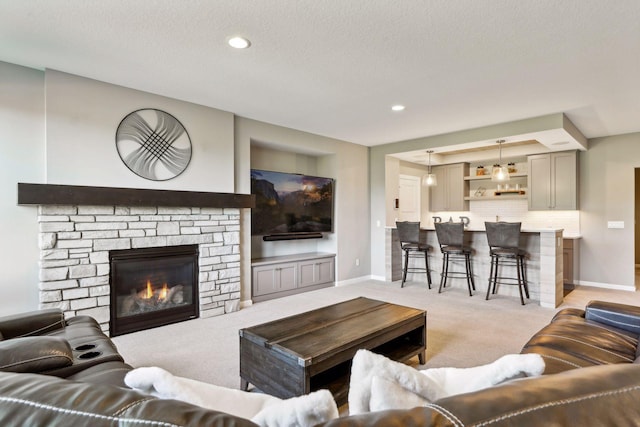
<point>452,189</point>
<point>274,277</point>
<point>553,181</point>
<point>271,278</point>
<point>571,260</point>
<point>316,271</point>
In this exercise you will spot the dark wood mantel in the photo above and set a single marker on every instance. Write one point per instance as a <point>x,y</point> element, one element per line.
<point>51,194</point>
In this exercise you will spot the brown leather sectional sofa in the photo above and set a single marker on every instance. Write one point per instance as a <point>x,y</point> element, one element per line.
<point>67,373</point>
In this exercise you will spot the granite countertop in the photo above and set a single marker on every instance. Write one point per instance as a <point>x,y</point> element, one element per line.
<point>524,230</point>
<point>572,236</point>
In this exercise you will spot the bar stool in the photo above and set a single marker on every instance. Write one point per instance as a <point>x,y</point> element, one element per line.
<point>409,236</point>
<point>504,248</point>
<point>451,239</point>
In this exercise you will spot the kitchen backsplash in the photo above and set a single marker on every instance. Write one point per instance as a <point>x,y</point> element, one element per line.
<point>512,210</point>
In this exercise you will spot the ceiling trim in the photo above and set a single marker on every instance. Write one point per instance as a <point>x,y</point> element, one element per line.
<point>540,134</point>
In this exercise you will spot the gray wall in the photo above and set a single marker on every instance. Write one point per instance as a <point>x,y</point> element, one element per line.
<point>77,146</point>
<point>22,153</point>
<point>607,193</point>
<point>82,118</point>
<point>637,215</point>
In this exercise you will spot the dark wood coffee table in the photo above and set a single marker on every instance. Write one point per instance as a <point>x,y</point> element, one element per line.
<point>313,350</point>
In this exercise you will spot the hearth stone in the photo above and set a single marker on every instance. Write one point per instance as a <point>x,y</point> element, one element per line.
<point>75,242</point>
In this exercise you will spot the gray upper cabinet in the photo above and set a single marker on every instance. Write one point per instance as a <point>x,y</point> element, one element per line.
<point>553,181</point>
<point>449,194</point>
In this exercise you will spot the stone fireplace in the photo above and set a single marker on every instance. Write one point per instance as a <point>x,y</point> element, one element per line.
<point>78,238</point>
<point>152,287</point>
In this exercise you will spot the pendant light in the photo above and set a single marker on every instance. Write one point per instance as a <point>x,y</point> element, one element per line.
<point>430,179</point>
<point>500,173</point>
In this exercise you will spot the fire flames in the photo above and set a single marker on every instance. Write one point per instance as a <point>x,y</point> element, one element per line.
<point>162,294</point>
<point>152,297</point>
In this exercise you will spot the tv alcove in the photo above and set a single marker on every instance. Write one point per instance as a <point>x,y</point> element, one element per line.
<point>279,276</point>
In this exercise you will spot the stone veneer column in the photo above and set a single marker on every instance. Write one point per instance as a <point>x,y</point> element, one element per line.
<point>551,268</point>
<point>75,242</point>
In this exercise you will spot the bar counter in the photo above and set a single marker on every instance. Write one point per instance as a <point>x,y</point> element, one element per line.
<point>544,264</point>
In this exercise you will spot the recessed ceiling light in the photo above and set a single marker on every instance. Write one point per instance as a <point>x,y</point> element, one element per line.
<point>239,42</point>
<point>397,107</point>
<point>560,143</point>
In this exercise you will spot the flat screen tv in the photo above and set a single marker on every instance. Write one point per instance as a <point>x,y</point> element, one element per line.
<point>289,204</point>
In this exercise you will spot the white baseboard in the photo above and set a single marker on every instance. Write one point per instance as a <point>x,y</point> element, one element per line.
<point>606,285</point>
<point>352,281</point>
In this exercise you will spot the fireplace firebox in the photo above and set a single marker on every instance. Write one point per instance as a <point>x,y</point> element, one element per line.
<point>152,287</point>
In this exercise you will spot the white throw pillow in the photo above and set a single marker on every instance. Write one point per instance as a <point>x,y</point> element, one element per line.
<point>387,394</point>
<point>263,409</point>
<point>308,410</point>
<point>379,383</point>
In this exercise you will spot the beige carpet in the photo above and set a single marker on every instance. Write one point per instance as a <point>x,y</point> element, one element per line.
<point>462,331</point>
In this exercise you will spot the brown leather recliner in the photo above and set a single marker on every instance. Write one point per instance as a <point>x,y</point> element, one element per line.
<point>57,372</point>
<point>603,333</point>
<point>44,342</point>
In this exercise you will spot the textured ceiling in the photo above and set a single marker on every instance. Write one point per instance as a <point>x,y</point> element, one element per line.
<point>335,67</point>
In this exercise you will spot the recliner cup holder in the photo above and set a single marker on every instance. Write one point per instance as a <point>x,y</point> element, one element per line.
<point>89,355</point>
<point>85,347</point>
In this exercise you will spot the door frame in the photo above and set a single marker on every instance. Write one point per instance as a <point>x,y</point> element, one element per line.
<point>417,213</point>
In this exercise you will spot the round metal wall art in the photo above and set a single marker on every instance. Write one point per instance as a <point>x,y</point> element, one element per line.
<point>153,144</point>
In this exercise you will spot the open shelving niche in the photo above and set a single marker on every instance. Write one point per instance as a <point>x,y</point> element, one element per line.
<point>477,181</point>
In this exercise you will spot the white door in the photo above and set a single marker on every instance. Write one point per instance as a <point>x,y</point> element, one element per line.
<point>409,192</point>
